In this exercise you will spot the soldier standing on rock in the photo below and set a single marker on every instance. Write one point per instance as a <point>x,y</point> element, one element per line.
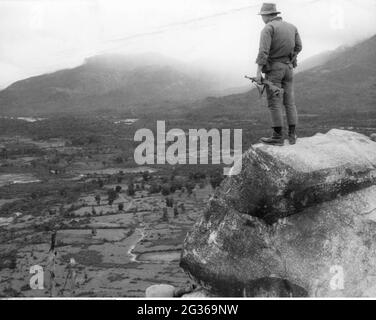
<point>280,44</point>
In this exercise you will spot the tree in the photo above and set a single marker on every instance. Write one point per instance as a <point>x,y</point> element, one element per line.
<point>155,188</point>
<point>118,189</point>
<point>121,206</point>
<point>189,186</point>
<point>118,159</point>
<point>169,202</point>
<point>112,195</point>
<point>63,192</point>
<point>216,178</point>
<point>145,176</point>
<point>172,188</point>
<point>98,199</point>
<point>182,207</point>
<point>131,191</point>
<point>165,214</point>
<point>166,189</point>
<point>176,184</point>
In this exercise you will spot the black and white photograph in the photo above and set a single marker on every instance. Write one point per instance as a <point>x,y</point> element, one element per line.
<point>187,150</point>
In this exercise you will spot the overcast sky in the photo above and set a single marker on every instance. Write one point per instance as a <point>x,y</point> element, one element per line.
<point>39,36</point>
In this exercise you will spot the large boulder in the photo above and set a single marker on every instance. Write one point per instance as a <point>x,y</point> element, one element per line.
<point>297,221</point>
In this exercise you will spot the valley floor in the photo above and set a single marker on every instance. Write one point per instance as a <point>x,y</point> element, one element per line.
<point>131,250</point>
<point>50,184</point>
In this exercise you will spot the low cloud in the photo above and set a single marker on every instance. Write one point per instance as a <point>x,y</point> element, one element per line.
<point>43,36</point>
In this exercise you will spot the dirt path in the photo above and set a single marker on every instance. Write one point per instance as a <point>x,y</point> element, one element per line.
<point>140,235</point>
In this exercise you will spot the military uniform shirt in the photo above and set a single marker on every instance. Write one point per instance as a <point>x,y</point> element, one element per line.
<point>279,40</point>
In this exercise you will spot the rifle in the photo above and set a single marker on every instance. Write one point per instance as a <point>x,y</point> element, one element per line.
<point>276,91</point>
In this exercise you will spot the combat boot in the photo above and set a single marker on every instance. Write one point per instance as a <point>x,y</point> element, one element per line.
<point>275,140</point>
<point>292,138</point>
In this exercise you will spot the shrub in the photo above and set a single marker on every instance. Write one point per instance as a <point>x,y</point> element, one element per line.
<point>216,178</point>
<point>155,188</point>
<point>166,189</point>
<point>131,190</point>
<point>112,195</point>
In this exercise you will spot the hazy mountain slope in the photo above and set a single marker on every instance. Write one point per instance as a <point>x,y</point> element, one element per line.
<point>319,59</point>
<point>346,82</point>
<point>151,84</point>
<point>106,82</point>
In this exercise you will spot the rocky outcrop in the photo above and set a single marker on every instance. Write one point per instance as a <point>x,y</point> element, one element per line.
<point>297,221</point>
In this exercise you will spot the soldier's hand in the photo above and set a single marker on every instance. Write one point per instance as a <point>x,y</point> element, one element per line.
<point>258,78</point>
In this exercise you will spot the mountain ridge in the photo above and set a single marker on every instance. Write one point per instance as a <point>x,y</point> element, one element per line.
<point>109,79</point>
<point>345,81</point>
